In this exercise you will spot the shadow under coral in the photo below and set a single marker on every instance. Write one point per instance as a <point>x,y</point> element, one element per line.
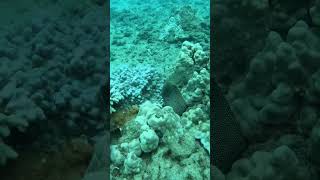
<point>68,161</point>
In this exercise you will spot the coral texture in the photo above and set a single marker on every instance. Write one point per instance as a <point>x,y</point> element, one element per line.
<point>52,70</point>
<point>155,131</point>
<point>262,100</point>
<point>131,85</point>
<point>270,165</point>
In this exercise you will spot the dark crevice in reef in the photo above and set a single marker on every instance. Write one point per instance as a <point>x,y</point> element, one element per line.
<point>69,160</point>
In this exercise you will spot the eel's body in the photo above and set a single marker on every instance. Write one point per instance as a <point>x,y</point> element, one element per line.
<point>172,97</point>
<point>227,142</point>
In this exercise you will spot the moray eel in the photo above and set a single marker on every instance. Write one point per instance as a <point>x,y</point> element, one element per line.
<point>172,97</point>
<point>227,142</point>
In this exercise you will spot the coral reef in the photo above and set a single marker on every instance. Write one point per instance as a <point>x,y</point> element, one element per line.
<point>275,99</point>
<point>131,85</point>
<point>7,122</point>
<point>52,72</point>
<point>158,136</point>
<point>191,58</point>
<point>172,31</point>
<point>241,28</point>
<point>169,137</point>
<point>270,165</point>
<point>156,131</point>
<point>184,24</point>
<point>267,63</point>
<point>197,90</point>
